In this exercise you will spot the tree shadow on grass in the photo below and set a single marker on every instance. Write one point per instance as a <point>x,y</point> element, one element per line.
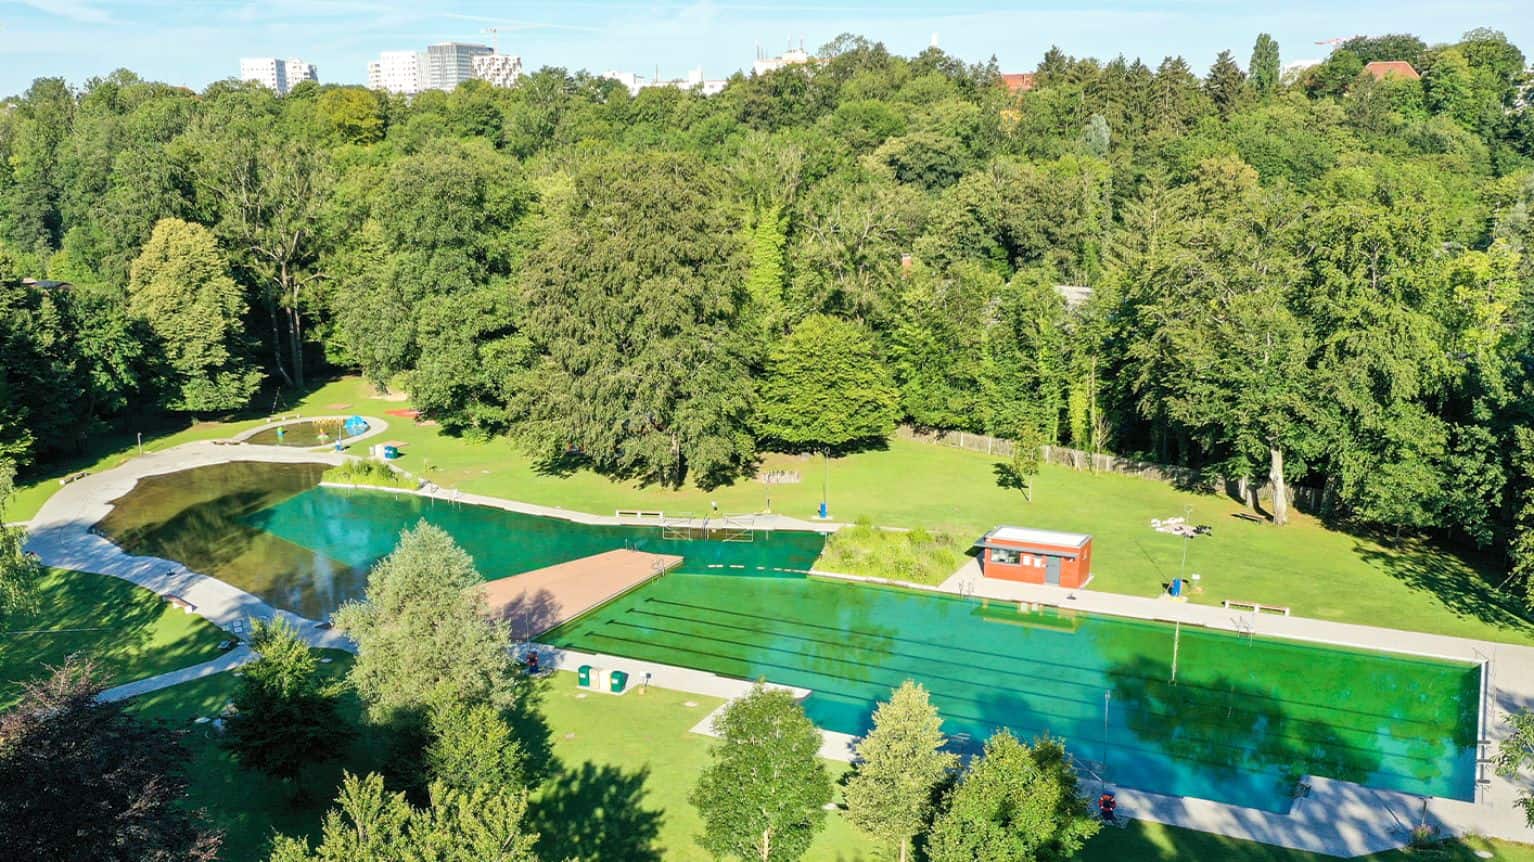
<point>532,730</point>
<point>1455,582</point>
<point>596,814</point>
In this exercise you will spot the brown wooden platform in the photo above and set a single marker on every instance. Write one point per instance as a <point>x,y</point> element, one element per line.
<point>536,601</point>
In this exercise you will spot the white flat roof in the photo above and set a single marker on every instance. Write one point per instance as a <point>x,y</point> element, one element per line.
<point>1039,537</point>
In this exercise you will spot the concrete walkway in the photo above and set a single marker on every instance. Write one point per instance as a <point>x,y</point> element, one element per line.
<point>60,534</point>
<point>452,495</point>
<point>1337,817</point>
<point>228,661</point>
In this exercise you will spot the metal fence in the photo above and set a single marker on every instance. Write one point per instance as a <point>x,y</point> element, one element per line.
<point>1304,498</point>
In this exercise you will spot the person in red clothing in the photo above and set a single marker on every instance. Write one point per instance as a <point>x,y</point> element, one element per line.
<point>1105,806</point>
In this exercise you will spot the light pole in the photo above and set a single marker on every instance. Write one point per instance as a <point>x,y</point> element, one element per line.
<point>1187,512</point>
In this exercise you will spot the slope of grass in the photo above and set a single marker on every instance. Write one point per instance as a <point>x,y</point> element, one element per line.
<point>129,631</point>
<point>1317,571</point>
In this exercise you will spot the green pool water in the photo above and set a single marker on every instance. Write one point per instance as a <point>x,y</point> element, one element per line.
<point>268,529</point>
<point>1244,721</point>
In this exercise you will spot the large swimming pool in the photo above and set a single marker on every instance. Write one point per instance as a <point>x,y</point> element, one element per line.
<point>1244,720</point>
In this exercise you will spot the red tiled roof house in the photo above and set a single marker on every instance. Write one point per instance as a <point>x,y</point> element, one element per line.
<point>1382,69</point>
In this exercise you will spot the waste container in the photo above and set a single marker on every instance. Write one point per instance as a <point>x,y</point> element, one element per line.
<point>619,681</point>
<point>824,512</point>
<point>583,676</point>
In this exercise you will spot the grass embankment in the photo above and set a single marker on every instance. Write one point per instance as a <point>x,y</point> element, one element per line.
<point>1317,571</point>
<point>915,556</point>
<point>359,471</point>
<point>625,768</point>
<point>129,631</point>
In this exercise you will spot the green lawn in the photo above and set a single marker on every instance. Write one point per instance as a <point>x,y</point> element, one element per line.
<point>248,806</point>
<point>1317,571</point>
<point>128,630</point>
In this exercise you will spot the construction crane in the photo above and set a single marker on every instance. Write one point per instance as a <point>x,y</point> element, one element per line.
<point>1337,41</point>
<point>495,38</point>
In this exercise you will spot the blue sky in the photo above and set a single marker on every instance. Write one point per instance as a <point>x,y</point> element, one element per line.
<point>197,42</point>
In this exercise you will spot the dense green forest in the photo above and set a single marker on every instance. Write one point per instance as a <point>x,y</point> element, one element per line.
<point>1320,279</point>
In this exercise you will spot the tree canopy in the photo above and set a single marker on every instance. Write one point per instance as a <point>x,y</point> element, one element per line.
<point>1312,278</point>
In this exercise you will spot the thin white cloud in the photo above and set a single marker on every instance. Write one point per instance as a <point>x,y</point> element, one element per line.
<point>74,10</point>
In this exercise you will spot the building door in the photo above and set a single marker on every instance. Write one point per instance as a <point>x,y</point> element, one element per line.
<point>1052,571</point>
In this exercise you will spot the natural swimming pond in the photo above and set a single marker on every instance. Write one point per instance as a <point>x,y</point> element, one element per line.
<point>1244,720</point>
<point>270,530</point>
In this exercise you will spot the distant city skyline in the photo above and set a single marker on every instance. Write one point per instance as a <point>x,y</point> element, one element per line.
<point>195,44</point>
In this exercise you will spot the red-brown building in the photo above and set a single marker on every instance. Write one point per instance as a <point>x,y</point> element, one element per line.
<point>1036,556</point>
<point>1382,69</point>
<point>1017,82</point>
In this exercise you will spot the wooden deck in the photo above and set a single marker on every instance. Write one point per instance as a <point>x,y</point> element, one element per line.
<point>536,601</point>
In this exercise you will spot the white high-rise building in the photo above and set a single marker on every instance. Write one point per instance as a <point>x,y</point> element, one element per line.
<point>499,70</point>
<point>276,75</point>
<point>396,72</point>
<point>446,65</point>
<point>792,57</point>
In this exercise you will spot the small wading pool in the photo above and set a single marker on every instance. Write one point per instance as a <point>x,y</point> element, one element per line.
<point>307,434</point>
<point>1244,721</point>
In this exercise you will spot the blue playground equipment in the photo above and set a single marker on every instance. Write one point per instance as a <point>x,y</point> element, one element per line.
<point>355,426</point>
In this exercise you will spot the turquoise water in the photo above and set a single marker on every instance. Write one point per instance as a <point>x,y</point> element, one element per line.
<point>358,527</point>
<point>1244,721</point>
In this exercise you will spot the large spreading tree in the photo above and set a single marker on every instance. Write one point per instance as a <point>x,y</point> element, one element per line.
<point>762,793</point>
<point>82,778</point>
<point>1017,802</point>
<point>632,300</point>
<point>181,288</point>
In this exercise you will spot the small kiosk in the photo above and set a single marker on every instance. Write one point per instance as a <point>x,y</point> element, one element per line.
<point>1036,556</point>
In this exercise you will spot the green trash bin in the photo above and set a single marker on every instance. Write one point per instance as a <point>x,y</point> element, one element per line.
<point>583,676</point>
<point>620,680</point>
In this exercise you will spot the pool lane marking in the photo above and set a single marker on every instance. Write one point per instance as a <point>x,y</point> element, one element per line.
<point>1286,703</point>
<point>1379,774</point>
<point>1340,744</point>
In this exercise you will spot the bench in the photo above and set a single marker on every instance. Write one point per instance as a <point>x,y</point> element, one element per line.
<point>1256,607</point>
<point>183,604</point>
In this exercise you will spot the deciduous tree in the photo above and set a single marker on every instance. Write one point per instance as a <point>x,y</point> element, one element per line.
<point>181,288</point>
<point>286,716</point>
<point>761,794</point>
<point>1017,802</point>
<point>82,778</point>
<point>901,762</point>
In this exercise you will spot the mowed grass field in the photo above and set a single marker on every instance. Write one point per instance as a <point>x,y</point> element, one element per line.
<point>1317,571</point>
<point>128,630</point>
